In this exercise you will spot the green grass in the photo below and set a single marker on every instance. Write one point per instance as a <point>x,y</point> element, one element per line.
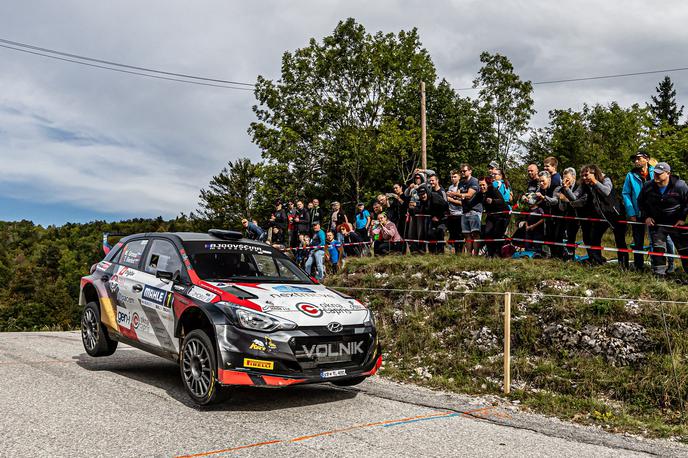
<point>424,330</point>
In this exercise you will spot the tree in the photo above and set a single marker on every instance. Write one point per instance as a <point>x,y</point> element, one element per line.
<point>230,195</point>
<point>663,107</point>
<point>508,99</point>
<point>343,107</point>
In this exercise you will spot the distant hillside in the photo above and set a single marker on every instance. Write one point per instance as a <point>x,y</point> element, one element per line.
<point>594,361</point>
<point>40,268</point>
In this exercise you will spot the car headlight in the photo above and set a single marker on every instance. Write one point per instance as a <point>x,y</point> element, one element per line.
<point>258,321</point>
<point>369,319</point>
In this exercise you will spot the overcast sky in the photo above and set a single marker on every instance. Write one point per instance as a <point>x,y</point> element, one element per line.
<point>80,143</point>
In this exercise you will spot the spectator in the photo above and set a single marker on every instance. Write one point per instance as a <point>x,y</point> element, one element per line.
<point>253,231</point>
<point>596,199</point>
<point>377,209</point>
<point>390,241</point>
<point>534,225</point>
<point>362,220</point>
<point>334,253</point>
<point>352,241</point>
<point>398,207</point>
<point>641,173</point>
<point>455,212</point>
<point>438,213</point>
<point>533,183</point>
<point>291,227</point>
<point>338,217</point>
<point>491,167</point>
<point>496,221</point>
<point>315,212</point>
<point>472,208</point>
<point>301,219</point>
<point>548,196</point>
<point>317,253</point>
<point>571,225</point>
<point>663,204</point>
<point>500,182</point>
<point>550,165</point>
<point>420,222</point>
<point>278,224</point>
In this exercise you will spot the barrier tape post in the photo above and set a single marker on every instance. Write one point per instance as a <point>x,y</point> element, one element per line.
<point>507,343</point>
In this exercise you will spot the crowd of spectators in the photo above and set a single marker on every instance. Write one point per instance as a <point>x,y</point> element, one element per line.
<point>474,215</point>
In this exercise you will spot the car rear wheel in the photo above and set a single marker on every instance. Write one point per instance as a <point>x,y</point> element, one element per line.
<point>94,336</point>
<point>349,381</point>
<point>198,367</point>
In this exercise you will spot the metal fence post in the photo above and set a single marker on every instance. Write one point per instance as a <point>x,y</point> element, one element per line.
<point>507,343</point>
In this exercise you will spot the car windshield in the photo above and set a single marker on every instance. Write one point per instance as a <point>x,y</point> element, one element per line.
<point>237,262</point>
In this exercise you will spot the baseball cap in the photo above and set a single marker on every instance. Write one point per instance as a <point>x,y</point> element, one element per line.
<point>360,204</point>
<point>662,167</point>
<point>641,154</point>
<point>422,190</point>
<point>493,165</point>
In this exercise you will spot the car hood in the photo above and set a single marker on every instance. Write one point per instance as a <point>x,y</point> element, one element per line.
<point>306,305</point>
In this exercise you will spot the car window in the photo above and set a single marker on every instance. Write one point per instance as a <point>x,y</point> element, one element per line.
<point>162,256</point>
<point>266,265</point>
<point>132,253</point>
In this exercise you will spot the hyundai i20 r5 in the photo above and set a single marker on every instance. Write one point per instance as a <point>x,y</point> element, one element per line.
<point>229,311</point>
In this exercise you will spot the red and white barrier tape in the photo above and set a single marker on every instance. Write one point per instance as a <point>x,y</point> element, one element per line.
<point>580,218</point>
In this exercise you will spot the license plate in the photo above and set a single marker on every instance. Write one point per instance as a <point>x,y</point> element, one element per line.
<point>334,373</point>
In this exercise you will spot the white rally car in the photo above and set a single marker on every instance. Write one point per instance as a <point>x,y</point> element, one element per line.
<point>230,311</point>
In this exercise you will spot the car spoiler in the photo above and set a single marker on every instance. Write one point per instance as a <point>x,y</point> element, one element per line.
<point>106,245</point>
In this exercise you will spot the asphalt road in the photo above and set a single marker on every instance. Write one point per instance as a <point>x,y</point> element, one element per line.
<point>58,401</point>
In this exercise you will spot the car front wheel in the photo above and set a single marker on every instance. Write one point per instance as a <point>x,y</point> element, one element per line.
<point>94,336</point>
<point>198,367</point>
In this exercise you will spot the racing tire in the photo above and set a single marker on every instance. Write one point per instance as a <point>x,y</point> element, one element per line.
<point>198,367</point>
<point>94,335</point>
<point>349,381</point>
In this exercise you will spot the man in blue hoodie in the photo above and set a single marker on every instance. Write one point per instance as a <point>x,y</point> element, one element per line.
<point>635,179</point>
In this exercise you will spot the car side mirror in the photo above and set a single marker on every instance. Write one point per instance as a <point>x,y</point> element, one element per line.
<point>168,276</point>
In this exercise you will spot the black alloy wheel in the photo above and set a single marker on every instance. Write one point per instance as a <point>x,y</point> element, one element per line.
<point>199,368</point>
<point>94,336</point>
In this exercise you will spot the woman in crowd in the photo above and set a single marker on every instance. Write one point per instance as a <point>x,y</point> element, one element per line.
<point>596,199</point>
<point>389,241</point>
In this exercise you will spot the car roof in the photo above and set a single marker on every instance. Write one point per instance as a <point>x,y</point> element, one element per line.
<point>194,237</point>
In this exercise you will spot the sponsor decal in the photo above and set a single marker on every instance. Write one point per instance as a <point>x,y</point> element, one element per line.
<point>140,322</point>
<point>309,309</point>
<point>311,295</point>
<point>330,350</point>
<point>277,308</point>
<point>236,246</point>
<point>113,284</point>
<point>291,289</point>
<point>334,373</point>
<point>104,265</point>
<point>124,317</point>
<point>126,272</point>
<point>259,364</point>
<point>124,299</point>
<point>267,346</point>
<point>201,294</point>
<point>156,298</point>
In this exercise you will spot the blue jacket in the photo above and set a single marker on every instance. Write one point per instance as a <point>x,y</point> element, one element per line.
<point>631,190</point>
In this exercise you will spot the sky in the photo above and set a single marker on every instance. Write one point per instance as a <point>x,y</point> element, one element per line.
<point>79,144</point>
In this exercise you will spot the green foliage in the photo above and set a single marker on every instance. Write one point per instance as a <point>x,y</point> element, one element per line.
<point>343,115</point>
<point>40,268</point>
<point>230,195</point>
<point>508,99</point>
<point>663,108</point>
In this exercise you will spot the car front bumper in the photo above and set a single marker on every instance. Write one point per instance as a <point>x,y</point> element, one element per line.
<point>286,358</point>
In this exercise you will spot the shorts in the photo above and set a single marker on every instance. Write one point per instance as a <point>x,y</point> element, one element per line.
<point>470,222</point>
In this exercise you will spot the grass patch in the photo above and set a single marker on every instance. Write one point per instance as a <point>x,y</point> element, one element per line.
<point>572,357</point>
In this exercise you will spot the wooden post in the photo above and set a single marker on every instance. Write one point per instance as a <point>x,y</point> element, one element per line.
<point>423,142</point>
<point>507,343</point>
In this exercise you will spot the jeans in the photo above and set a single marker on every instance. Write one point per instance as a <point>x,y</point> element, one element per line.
<point>659,236</point>
<point>318,256</point>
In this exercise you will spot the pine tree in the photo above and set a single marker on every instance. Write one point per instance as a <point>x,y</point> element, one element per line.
<point>663,107</point>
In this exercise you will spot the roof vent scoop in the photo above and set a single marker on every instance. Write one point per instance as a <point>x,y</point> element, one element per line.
<point>226,235</point>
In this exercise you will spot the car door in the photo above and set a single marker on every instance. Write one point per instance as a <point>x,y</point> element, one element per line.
<point>123,286</point>
<point>156,322</point>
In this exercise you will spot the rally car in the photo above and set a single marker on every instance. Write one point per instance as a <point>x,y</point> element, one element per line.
<point>228,310</point>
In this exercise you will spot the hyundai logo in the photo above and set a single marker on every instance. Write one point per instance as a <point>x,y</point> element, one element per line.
<point>335,327</point>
